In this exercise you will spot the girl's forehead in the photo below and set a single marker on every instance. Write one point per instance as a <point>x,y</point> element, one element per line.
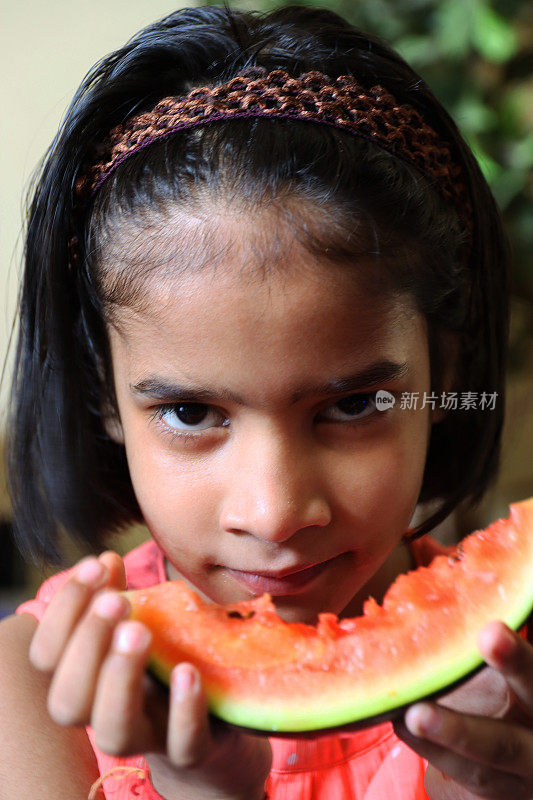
<point>262,258</point>
<point>226,324</point>
<point>262,334</point>
<point>268,342</point>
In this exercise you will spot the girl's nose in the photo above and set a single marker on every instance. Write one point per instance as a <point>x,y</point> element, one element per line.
<point>274,493</point>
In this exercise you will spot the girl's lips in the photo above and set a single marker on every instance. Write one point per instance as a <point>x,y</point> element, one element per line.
<point>279,586</point>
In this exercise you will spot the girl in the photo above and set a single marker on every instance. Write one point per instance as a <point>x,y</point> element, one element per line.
<point>246,227</point>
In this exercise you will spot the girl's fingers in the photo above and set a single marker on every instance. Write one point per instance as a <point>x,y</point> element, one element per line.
<point>68,605</point>
<point>116,569</point>
<point>73,686</point>
<point>63,613</point>
<point>495,743</point>
<point>118,720</point>
<point>489,757</point>
<point>512,656</point>
<point>447,771</point>
<point>189,737</point>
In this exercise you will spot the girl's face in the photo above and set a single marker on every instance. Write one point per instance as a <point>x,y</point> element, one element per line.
<point>246,405</point>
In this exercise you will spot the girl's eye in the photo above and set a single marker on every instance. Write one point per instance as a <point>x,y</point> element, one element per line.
<point>189,417</point>
<point>350,409</point>
<point>185,418</point>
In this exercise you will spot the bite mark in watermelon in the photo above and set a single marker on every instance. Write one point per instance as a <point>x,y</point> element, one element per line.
<point>265,674</point>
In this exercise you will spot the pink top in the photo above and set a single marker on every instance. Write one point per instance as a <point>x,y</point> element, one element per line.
<point>372,764</point>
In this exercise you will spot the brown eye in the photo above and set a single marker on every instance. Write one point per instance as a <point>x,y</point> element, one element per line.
<point>190,417</point>
<point>191,413</point>
<point>351,408</point>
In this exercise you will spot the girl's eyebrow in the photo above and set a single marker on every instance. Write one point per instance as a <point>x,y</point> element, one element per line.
<point>374,376</point>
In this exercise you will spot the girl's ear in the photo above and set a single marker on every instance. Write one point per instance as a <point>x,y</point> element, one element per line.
<point>113,427</point>
<point>448,347</point>
<point>109,411</point>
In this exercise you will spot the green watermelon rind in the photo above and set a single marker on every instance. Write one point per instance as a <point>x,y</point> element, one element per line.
<point>358,713</point>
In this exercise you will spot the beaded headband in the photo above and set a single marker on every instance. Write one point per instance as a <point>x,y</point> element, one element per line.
<point>343,103</point>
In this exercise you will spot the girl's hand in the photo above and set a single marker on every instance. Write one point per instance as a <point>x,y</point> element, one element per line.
<point>97,659</point>
<point>479,739</point>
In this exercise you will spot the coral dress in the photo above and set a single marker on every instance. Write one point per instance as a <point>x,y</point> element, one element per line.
<point>371,764</point>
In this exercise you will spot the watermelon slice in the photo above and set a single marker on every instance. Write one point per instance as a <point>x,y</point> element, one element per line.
<point>264,674</point>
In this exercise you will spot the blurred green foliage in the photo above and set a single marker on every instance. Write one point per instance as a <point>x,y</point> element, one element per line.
<point>477,56</point>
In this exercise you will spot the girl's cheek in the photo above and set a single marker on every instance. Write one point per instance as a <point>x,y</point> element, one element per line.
<point>392,476</point>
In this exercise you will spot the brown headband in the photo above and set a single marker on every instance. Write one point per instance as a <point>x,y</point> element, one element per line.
<point>342,103</point>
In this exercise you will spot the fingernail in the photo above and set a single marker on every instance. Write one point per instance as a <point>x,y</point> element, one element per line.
<point>110,605</point>
<point>90,571</point>
<point>131,637</point>
<point>183,681</point>
<point>422,719</point>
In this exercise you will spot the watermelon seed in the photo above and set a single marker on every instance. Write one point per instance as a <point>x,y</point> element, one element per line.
<point>457,555</point>
<point>239,615</point>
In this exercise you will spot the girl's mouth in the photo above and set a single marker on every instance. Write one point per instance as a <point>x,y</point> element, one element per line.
<point>277,585</point>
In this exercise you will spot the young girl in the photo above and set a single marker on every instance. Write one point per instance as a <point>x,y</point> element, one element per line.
<point>247,227</point>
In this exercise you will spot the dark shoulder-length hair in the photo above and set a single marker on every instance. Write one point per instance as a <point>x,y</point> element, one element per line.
<point>65,471</point>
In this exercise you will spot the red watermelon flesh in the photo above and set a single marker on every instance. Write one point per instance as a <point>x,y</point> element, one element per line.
<point>262,673</point>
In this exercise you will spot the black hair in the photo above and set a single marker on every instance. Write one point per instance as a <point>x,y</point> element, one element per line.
<point>65,471</point>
